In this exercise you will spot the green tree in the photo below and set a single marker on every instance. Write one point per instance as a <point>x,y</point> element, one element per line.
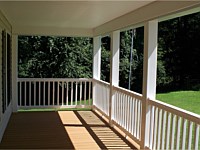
<point>55,57</point>
<point>137,63</point>
<point>105,59</point>
<point>178,52</point>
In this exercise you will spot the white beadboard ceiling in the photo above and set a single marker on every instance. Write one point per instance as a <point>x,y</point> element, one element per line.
<point>88,18</point>
<point>67,14</point>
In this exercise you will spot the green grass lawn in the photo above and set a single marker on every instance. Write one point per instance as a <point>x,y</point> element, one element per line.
<point>188,100</point>
<point>53,109</point>
<point>61,109</point>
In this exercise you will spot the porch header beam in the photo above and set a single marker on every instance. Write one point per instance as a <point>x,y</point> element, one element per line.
<point>155,10</point>
<point>52,31</point>
<point>4,23</point>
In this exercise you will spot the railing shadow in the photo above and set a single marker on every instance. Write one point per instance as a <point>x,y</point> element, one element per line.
<point>105,136</point>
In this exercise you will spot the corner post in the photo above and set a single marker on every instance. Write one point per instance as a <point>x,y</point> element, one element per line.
<point>14,72</point>
<point>149,76</point>
<point>114,69</point>
<point>96,64</point>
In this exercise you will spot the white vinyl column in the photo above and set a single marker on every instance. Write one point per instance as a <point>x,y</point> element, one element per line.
<point>14,73</point>
<point>96,64</point>
<point>149,75</point>
<point>97,57</point>
<point>114,68</point>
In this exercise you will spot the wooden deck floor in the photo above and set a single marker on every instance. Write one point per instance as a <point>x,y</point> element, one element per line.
<point>62,129</point>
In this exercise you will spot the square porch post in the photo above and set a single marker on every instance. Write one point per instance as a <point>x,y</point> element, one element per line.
<point>96,64</point>
<point>114,68</point>
<point>149,76</point>
<point>14,72</point>
<point>97,58</point>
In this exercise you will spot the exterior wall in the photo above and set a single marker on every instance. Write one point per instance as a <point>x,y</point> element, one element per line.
<point>4,117</point>
<point>1,28</point>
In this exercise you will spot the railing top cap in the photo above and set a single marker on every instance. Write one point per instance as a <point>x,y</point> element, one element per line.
<point>54,79</point>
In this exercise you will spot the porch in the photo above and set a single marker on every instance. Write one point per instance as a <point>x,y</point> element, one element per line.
<point>169,126</point>
<point>140,117</point>
<point>61,130</point>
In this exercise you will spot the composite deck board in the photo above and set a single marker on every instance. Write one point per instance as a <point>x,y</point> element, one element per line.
<point>61,129</point>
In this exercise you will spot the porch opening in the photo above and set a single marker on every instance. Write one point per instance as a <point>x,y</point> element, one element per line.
<point>45,62</point>
<point>178,79</point>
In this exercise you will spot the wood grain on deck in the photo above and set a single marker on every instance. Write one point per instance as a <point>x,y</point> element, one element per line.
<point>62,129</point>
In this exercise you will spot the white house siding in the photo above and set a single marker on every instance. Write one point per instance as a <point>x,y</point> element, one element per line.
<point>4,117</point>
<point>1,71</point>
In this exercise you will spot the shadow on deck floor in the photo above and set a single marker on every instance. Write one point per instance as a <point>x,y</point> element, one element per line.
<point>62,129</point>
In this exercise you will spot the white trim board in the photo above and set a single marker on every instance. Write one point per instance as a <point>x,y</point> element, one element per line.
<point>5,120</point>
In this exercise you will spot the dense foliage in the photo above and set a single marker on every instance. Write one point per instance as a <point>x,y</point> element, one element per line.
<point>55,57</point>
<point>179,53</point>
<point>178,56</point>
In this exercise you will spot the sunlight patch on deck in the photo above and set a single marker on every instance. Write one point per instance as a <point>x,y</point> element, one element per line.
<point>81,139</point>
<point>68,117</point>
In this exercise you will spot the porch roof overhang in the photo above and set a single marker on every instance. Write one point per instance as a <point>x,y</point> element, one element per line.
<point>88,18</point>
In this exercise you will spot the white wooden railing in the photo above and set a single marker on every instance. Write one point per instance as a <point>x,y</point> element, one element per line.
<point>168,127</point>
<point>126,108</point>
<point>102,96</point>
<point>127,112</point>
<point>54,92</point>
<point>171,127</point>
